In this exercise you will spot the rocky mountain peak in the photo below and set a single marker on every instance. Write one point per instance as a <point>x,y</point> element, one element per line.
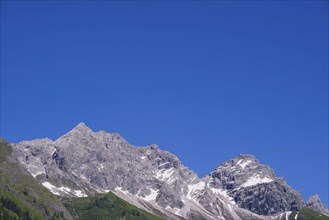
<point>241,161</point>
<point>314,202</point>
<point>246,157</point>
<point>155,179</point>
<point>154,147</point>
<point>242,171</point>
<point>81,127</point>
<point>80,133</point>
<point>247,180</point>
<point>314,198</point>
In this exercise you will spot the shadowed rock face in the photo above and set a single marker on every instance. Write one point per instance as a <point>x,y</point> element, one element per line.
<point>154,179</point>
<point>315,203</point>
<point>255,187</point>
<point>268,198</point>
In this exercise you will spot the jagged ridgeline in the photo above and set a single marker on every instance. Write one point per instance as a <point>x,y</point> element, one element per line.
<point>99,175</point>
<point>23,197</point>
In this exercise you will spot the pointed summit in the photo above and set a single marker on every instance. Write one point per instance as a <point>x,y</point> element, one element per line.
<point>314,202</point>
<point>241,160</point>
<point>314,198</point>
<point>81,127</point>
<point>79,131</point>
<point>246,156</point>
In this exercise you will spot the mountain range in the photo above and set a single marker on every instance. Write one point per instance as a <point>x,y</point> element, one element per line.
<point>100,170</point>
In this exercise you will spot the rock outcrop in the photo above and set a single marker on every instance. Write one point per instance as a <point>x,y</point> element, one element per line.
<point>315,203</point>
<point>255,187</point>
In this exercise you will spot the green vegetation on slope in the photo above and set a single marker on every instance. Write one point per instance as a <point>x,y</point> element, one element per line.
<point>21,196</point>
<point>307,214</point>
<point>108,206</point>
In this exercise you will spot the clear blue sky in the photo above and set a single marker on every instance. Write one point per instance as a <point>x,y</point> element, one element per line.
<point>206,80</point>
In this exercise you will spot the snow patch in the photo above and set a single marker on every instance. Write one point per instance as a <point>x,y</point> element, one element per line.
<point>197,186</point>
<point>177,211</point>
<point>143,157</point>
<point>192,190</point>
<point>64,189</point>
<point>256,179</point>
<point>36,174</point>
<point>163,164</point>
<point>296,215</point>
<point>79,193</point>
<point>56,190</point>
<point>244,164</point>
<point>50,187</point>
<point>273,217</point>
<point>121,190</point>
<point>223,193</point>
<point>166,175</point>
<point>152,196</point>
<point>35,170</point>
<point>100,167</point>
<point>287,215</point>
<point>53,151</point>
<point>174,210</point>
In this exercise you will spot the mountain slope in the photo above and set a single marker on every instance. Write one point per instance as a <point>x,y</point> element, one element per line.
<point>307,214</point>
<point>147,177</point>
<point>314,202</point>
<point>255,187</point>
<point>108,206</point>
<point>23,196</point>
<point>82,163</point>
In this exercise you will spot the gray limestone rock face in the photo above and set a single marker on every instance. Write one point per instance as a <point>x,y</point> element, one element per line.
<point>83,162</point>
<point>236,172</point>
<point>268,198</point>
<point>315,203</point>
<point>103,162</point>
<point>255,187</point>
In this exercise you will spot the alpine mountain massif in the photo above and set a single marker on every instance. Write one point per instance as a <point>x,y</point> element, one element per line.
<point>83,163</point>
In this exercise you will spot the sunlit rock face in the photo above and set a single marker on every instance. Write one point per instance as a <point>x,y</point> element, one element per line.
<point>255,187</point>
<point>83,162</point>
